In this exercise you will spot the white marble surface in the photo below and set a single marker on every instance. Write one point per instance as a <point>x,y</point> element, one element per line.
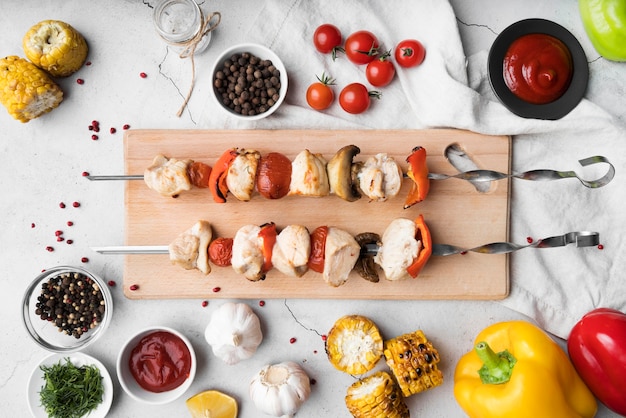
<point>42,162</point>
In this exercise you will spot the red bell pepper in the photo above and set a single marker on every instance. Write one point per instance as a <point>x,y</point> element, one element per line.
<point>418,172</point>
<point>597,348</point>
<point>422,234</point>
<point>268,234</point>
<point>217,178</point>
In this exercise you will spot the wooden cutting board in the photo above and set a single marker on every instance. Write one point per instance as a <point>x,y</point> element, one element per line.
<point>455,212</point>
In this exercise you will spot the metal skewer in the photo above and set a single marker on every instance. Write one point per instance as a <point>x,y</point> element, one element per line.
<point>476,175</point>
<point>581,239</point>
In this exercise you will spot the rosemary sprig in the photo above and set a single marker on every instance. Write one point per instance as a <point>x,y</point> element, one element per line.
<point>70,391</point>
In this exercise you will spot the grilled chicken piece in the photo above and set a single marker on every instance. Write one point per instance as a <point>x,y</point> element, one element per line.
<point>380,177</point>
<point>191,248</point>
<point>242,174</point>
<point>340,256</point>
<point>291,250</point>
<point>399,248</point>
<point>247,256</point>
<point>308,175</point>
<point>168,176</point>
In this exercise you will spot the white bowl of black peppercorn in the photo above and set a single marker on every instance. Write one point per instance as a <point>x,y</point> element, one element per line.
<point>249,81</point>
<point>65,308</point>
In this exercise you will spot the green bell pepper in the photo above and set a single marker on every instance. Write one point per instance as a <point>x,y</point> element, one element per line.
<point>605,24</point>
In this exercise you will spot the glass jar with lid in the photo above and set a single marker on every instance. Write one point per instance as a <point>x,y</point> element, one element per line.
<point>181,23</point>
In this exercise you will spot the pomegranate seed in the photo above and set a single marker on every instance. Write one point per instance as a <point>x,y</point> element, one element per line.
<point>111,283</point>
<point>143,75</point>
<point>96,128</point>
<point>76,204</point>
<point>70,223</point>
<point>49,249</point>
<point>261,303</point>
<point>69,241</point>
<point>60,239</point>
<point>94,137</point>
<point>314,351</point>
<point>32,225</point>
<point>58,232</point>
<point>80,81</point>
<point>95,123</point>
<point>134,287</point>
<point>205,303</point>
<point>312,381</point>
<point>529,240</point>
<point>216,289</point>
<point>324,337</point>
<point>463,252</point>
<point>600,247</point>
<point>90,127</point>
<point>84,260</point>
<point>126,127</point>
<point>292,340</point>
<point>62,205</point>
<point>112,130</point>
<point>88,63</point>
<point>85,173</point>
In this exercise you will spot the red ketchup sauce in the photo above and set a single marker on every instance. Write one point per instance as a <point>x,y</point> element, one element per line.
<point>538,68</point>
<point>160,362</point>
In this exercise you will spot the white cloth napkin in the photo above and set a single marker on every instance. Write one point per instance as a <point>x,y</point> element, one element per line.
<point>553,286</point>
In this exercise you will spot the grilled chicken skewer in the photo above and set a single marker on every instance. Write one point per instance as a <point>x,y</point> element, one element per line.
<point>402,252</point>
<point>379,178</point>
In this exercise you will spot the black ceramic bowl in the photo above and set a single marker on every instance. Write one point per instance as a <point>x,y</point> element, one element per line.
<point>549,111</point>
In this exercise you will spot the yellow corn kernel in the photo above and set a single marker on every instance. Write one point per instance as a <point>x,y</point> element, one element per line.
<point>376,396</point>
<point>413,361</point>
<point>56,47</point>
<point>354,344</point>
<point>26,91</point>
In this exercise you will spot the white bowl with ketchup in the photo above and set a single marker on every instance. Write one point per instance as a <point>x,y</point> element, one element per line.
<point>156,365</point>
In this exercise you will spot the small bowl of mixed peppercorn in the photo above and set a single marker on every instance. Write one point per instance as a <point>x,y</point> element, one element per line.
<point>249,81</point>
<point>65,308</point>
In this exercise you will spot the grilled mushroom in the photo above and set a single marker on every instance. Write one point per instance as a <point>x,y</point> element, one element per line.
<point>340,173</point>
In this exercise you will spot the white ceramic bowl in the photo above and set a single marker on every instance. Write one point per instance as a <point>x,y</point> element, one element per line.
<point>46,333</point>
<point>263,53</point>
<point>130,385</point>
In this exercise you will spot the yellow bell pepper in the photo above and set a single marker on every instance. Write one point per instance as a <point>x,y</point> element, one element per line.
<point>517,370</point>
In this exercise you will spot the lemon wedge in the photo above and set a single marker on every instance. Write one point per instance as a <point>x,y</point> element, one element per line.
<point>212,404</point>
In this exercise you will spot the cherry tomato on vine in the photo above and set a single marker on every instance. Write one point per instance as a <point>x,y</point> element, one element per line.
<point>361,47</point>
<point>381,71</point>
<point>327,38</point>
<point>355,98</point>
<point>409,53</point>
<point>319,95</point>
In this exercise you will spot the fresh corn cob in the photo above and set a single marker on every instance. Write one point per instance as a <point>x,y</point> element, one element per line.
<point>354,344</point>
<point>25,90</point>
<point>56,47</point>
<point>413,361</point>
<point>376,396</point>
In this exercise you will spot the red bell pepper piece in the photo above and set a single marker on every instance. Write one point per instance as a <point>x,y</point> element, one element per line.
<point>423,234</point>
<point>418,172</point>
<point>217,178</point>
<point>268,234</point>
<point>597,348</point>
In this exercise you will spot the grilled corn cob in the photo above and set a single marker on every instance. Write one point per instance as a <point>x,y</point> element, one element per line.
<point>413,361</point>
<point>354,344</point>
<point>56,47</point>
<point>25,90</point>
<point>376,396</point>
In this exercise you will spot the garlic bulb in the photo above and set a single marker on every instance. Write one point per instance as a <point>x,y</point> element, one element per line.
<point>280,389</point>
<point>234,332</point>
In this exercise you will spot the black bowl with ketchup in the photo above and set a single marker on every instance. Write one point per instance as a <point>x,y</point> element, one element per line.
<point>538,69</point>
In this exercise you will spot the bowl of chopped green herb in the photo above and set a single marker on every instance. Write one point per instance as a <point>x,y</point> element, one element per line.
<point>70,385</point>
<point>65,308</point>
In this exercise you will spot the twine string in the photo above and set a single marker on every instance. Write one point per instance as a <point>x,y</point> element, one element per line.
<point>189,49</point>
